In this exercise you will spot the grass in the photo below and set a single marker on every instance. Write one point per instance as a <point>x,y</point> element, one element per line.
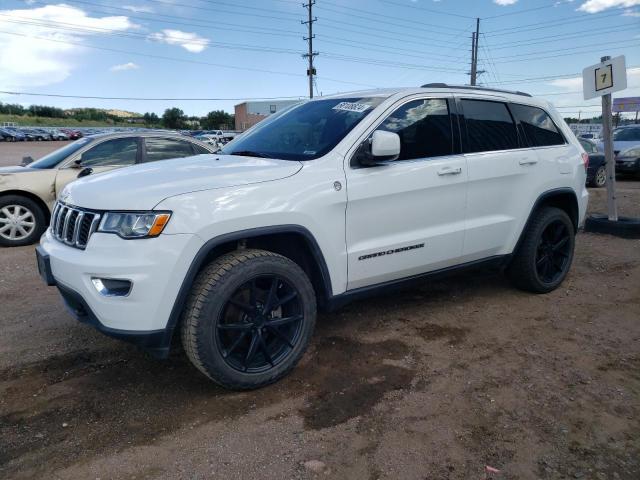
<point>29,121</point>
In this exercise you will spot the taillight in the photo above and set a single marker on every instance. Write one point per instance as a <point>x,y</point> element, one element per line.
<point>585,160</point>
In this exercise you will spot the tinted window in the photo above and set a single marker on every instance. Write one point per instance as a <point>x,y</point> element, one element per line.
<point>57,156</point>
<point>119,151</point>
<point>489,126</point>
<point>424,127</point>
<point>165,148</point>
<point>305,131</point>
<point>538,126</point>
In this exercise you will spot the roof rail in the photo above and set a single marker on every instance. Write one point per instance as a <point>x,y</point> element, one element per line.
<point>471,87</point>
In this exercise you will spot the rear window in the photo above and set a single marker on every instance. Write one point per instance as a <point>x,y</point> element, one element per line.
<point>537,125</point>
<point>489,126</point>
<point>626,134</point>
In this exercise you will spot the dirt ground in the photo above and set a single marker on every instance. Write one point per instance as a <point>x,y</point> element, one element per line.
<point>434,382</point>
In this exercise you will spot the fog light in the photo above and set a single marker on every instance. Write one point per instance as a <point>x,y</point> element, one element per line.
<point>110,287</point>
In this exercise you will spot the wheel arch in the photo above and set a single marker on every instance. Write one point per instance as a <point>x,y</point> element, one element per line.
<point>563,198</point>
<point>31,196</point>
<point>292,241</point>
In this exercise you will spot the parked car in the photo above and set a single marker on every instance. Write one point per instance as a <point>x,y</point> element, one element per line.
<point>72,134</point>
<point>27,192</point>
<point>38,134</point>
<point>628,161</point>
<point>334,199</point>
<point>9,135</point>
<point>58,135</point>
<point>210,140</point>
<point>624,138</point>
<point>596,170</point>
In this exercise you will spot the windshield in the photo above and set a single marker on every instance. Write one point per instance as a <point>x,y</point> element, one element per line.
<point>55,157</point>
<point>305,131</point>
<point>627,134</point>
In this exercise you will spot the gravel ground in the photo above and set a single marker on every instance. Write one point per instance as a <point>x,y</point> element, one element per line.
<point>434,382</point>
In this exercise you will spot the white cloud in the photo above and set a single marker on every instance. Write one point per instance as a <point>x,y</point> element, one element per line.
<point>124,66</point>
<point>504,2</point>
<point>595,6</point>
<point>191,42</point>
<point>138,8</point>
<point>26,61</point>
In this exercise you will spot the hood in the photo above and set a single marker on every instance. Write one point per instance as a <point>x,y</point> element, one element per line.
<point>141,187</point>
<point>16,169</point>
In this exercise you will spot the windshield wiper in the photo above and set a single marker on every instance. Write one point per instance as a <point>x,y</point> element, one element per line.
<point>251,153</point>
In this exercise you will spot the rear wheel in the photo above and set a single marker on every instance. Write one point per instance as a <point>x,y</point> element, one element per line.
<point>249,319</point>
<point>22,221</point>
<point>600,177</point>
<point>544,256</point>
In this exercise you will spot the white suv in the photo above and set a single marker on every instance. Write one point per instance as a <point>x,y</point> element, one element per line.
<point>324,202</point>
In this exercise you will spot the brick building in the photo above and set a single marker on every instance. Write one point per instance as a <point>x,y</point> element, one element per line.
<point>247,114</point>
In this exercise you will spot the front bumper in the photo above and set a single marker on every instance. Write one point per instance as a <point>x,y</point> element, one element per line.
<point>155,266</point>
<point>628,166</point>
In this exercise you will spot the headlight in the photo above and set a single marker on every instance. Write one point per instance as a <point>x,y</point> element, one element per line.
<point>632,152</point>
<point>134,225</point>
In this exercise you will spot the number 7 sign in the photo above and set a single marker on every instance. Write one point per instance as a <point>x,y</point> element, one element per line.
<point>604,78</point>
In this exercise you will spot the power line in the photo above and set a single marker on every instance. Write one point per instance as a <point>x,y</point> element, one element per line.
<point>554,38</point>
<point>551,23</point>
<point>95,97</point>
<point>517,12</point>
<point>425,9</point>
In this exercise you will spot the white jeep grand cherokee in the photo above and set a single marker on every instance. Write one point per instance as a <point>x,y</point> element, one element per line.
<point>329,200</point>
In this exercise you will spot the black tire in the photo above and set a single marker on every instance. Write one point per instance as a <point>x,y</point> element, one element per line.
<point>543,258</point>
<point>599,178</point>
<point>8,204</point>
<point>220,327</point>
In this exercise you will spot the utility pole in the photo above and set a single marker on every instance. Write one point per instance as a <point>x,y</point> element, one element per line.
<point>475,40</point>
<point>311,71</point>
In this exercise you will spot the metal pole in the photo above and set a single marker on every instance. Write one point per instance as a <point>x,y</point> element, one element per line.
<point>612,209</point>
<point>474,53</point>
<point>311,70</point>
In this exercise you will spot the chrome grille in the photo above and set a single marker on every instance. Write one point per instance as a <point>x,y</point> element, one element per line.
<point>73,226</point>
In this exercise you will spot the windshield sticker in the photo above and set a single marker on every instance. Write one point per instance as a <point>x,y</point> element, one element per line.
<point>309,152</point>
<point>352,107</point>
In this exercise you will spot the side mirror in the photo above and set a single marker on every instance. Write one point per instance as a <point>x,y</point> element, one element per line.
<point>85,172</point>
<point>381,147</point>
<point>26,161</point>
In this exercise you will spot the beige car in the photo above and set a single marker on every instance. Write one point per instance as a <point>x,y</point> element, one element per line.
<point>27,193</point>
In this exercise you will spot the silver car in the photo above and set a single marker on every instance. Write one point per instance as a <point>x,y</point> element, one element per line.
<point>27,192</point>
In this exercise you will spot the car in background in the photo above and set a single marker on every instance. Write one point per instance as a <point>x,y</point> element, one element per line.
<point>596,170</point>
<point>18,135</point>
<point>39,134</point>
<point>72,134</point>
<point>8,135</point>
<point>624,138</point>
<point>27,192</point>
<point>58,135</point>
<point>213,140</point>
<point>628,161</point>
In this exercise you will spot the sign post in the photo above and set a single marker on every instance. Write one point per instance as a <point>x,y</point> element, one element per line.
<point>601,80</point>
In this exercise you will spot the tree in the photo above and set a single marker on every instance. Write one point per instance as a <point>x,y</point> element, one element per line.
<point>173,118</point>
<point>151,118</point>
<point>217,119</point>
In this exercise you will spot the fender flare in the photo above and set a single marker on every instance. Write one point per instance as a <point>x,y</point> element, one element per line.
<point>541,198</point>
<point>199,259</point>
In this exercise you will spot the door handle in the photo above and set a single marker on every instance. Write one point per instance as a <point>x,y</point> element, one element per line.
<point>449,171</point>
<point>528,162</point>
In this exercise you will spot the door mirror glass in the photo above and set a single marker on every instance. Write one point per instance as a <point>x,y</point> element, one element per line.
<point>385,145</point>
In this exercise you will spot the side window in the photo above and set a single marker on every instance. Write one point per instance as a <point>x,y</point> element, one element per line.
<point>424,127</point>
<point>165,148</point>
<point>588,146</point>
<point>537,125</point>
<point>489,126</point>
<point>116,152</point>
<point>200,150</point>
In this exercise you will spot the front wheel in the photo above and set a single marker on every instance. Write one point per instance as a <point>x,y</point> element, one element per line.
<point>543,259</point>
<point>22,221</point>
<point>248,319</point>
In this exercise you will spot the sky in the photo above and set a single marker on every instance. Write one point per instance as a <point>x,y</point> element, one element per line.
<point>203,55</point>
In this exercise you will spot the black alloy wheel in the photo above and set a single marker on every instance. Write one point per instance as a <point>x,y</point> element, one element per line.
<point>553,252</point>
<point>260,324</point>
